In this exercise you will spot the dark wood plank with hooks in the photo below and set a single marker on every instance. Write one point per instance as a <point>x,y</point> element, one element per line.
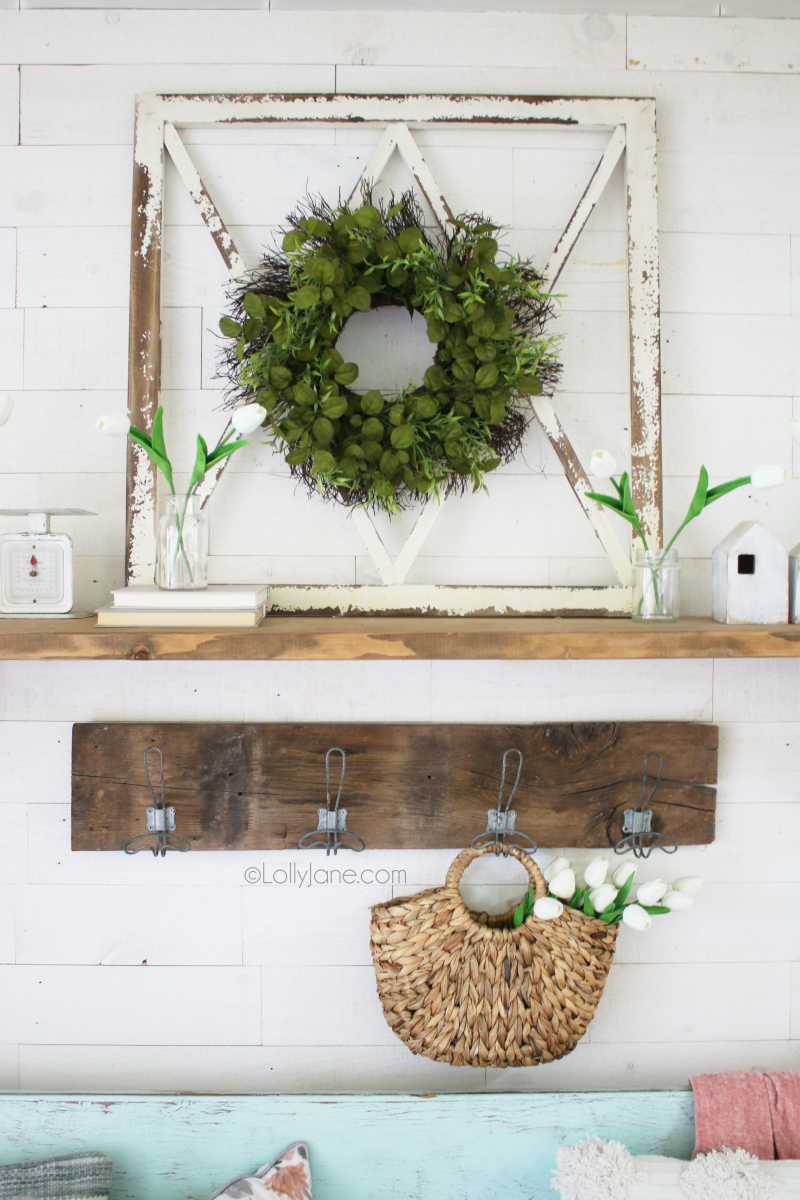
<point>258,787</point>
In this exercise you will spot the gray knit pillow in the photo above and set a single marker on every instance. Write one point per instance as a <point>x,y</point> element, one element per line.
<point>67,1177</point>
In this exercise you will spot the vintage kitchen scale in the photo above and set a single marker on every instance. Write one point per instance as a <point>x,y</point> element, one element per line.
<point>36,577</point>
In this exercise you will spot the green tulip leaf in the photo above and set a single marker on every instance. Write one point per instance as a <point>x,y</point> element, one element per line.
<point>722,489</point>
<point>221,452</point>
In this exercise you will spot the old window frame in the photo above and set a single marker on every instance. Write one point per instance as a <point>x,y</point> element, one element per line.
<point>631,123</point>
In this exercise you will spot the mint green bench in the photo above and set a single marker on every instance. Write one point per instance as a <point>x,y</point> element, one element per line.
<point>499,1146</point>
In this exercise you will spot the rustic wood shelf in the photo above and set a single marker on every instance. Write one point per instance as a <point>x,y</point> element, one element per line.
<point>402,638</point>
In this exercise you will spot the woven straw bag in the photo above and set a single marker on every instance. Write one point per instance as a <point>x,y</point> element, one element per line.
<point>469,989</point>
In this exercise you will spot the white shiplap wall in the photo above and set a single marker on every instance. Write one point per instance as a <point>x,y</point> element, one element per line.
<point>246,973</point>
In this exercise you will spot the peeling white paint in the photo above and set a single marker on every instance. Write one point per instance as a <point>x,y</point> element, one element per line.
<point>148,154</point>
<point>453,601</point>
<point>205,205</point>
<point>396,572</point>
<point>645,324</point>
<point>632,122</point>
<point>588,200</point>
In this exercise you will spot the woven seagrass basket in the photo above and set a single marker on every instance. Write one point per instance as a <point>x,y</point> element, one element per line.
<point>469,989</point>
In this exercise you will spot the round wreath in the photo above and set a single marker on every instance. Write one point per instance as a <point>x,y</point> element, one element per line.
<point>468,414</point>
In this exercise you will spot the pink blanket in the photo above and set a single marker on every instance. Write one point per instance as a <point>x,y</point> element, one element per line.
<point>783,1089</point>
<point>749,1111</point>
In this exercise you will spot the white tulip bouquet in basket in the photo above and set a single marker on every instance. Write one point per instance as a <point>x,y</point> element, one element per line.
<point>607,900</point>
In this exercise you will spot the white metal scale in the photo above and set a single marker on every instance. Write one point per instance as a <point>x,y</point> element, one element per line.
<point>36,567</point>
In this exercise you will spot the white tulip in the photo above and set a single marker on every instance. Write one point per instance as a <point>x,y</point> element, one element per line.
<point>768,477</point>
<point>595,873</point>
<point>677,901</point>
<point>563,884</point>
<point>794,425</point>
<point>553,868</point>
<point>690,885</point>
<point>114,424</point>
<point>623,874</point>
<point>651,892</point>
<point>6,405</point>
<point>635,916</point>
<point>547,909</point>
<point>248,418</point>
<point>601,897</point>
<point>602,465</point>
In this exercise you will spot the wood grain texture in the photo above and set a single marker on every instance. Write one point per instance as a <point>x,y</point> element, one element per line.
<point>401,638</point>
<point>258,787</point>
<point>362,1147</point>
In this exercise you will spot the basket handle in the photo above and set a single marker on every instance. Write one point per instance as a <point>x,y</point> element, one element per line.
<point>459,865</point>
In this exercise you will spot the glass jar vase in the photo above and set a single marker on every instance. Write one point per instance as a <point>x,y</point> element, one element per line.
<point>181,543</point>
<point>656,585</point>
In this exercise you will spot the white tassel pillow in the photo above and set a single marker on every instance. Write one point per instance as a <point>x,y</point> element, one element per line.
<point>599,1170</point>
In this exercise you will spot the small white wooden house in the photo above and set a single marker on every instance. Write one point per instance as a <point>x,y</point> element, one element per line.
<point>794,591</point>
<point>750,577</point>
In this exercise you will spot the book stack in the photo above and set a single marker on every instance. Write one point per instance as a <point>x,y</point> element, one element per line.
<point>232,606</point>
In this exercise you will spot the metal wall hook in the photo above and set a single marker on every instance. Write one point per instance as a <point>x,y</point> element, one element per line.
<point>636,821</point>
<point>332,821</point>
<point>501,822</point>
<point>160,820</point>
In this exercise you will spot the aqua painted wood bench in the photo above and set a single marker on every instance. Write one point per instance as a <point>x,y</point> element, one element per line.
<point>366,1147</point>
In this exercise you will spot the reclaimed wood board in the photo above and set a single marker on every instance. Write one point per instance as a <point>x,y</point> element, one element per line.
<point>361,1147</point>
<point>258,786</point>
<point>292,639</point>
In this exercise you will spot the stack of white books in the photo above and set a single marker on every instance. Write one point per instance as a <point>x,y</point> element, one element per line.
<point>222,605</point>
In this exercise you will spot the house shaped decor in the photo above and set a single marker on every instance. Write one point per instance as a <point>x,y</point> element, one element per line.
<point>794,603</point>
<point>750,577</point>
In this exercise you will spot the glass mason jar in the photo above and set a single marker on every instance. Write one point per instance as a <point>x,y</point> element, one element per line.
<point>182,542</point>
<point>656,585</point>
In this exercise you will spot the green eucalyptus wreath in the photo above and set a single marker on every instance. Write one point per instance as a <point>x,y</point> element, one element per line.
<point>467,416</point>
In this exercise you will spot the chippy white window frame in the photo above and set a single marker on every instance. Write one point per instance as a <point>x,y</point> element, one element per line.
<point>631,123</point>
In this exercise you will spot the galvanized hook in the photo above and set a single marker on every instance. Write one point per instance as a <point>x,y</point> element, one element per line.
<point>332,821</point>
<point>637,820</point>
<point>501,821</point>
<point>160,820</point>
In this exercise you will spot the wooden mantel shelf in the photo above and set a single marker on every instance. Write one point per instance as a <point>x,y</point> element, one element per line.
<point>401,638</point>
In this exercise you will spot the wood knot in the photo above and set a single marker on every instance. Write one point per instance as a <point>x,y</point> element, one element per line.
<point>141,653</point>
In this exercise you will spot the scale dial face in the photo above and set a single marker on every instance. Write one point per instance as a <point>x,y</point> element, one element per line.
<point>35,573</point>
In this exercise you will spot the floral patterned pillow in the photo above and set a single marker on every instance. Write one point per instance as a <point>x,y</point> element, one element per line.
<point>288,1175</point>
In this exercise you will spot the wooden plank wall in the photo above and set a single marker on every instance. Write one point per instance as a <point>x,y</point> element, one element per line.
<point>64,269</point>
<point>258,787</point>
<point>273,982</point>
<point>244,944</point>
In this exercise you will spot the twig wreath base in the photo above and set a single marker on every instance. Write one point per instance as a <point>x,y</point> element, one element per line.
<point>466,417</point>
